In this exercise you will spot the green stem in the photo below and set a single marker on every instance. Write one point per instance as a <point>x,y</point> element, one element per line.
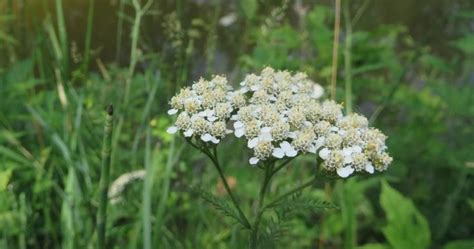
<point>281,166</point>
<point>291,192</point>
<point>104,177</point>
<point>87,47</point>
<point>260,209</point>
<point>214,159</point>
<point>347,57</point>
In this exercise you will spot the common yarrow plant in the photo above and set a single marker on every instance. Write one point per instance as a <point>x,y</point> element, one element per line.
<point>280,116</point>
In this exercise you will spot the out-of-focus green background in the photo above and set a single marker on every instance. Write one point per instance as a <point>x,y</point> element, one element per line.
<point>410,64</point>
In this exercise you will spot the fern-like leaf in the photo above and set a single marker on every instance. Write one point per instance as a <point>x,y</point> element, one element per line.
<point>220,204</point>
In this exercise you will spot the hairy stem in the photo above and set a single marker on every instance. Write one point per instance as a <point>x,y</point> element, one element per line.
<point>104,178</point>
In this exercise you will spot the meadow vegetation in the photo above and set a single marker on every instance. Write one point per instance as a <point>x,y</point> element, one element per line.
<point>55,85</point>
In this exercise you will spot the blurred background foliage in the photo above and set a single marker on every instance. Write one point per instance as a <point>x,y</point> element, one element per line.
<point>411,69</point>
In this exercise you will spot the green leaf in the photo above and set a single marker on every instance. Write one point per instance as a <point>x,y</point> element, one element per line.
<point>460,244</point>
<point>219,204</point>
<point>406,226</point>
<point>249,8</point>
<point>5,178</point>
<point>465,44</point>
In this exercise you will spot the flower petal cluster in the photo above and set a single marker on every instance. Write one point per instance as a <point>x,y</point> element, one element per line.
<point>351,146</point>
<point>280,115</point>
<point>277,121</point>
<point>204,109</point>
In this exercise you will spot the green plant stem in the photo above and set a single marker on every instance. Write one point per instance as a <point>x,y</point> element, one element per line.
<point>139,13</point>
<point>260,209</point>
<point>87,46</point>
<point>104,178</point>
<point>289,193</point>
<point>335,48</point>
<point>347,57</point>
<point>281,166</point>
<point>215,161</point>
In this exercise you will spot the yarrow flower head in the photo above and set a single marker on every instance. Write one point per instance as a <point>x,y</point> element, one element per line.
<point>350,145</point>
<point>280,115</point>
<point>203,109</point>
<point>275,121</point>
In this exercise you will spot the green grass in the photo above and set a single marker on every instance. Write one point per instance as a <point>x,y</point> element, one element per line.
<point>52,119</point>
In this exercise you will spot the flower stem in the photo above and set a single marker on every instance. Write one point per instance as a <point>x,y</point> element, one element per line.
<point>214,159</point>
<point>260,209</point>
<point>291,192</point>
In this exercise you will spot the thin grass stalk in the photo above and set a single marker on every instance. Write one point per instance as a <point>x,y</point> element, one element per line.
<point>146,213</point>
<point>87,46</point>
<point>118,44</point>
<point>335,48</point>
<point>139,13</point>
<point>62,39</point>
<point>347,57</point>
<point>104,178</point>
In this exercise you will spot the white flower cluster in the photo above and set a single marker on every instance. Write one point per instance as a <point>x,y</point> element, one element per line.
<point>350,145</point>
<point>277,121</point>
<point>280,116</point>
<point>204,109</point>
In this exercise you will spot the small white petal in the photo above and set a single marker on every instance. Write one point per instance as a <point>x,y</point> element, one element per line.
<point>324,153</point>
<point>334,128</point>
<point>172,129</point>
<point>347,151</point>
<point>312,149</point>
<point>211,118</point>
<point>202,114</point>
<point>266,130</point>
<point>278,153</point>
<point>238,124</point>
<point>234,117</point>
<point>215,140</point>
<point>265,136</point>
<point>206,137</point>
<point>188,133</point>
<point>228,131</point>
<point>244,90</point>
<point>252,143</point>
<point>318,91</point>
<point>239,132</point>
<point>253,160</point>
<point>369,168</point>
<point>285,145</point>
<point>172,111</point>
<point>319,142</point>
<point>254,88</point>
<point>348,159</point>
<point>345,171</point>
<point>356,149</point>
<point>291,152</point>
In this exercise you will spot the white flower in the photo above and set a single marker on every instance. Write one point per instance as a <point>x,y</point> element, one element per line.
<point>345,171</point>
<point>285,149</point>
<point>172,129</point>
<point>239,129</point>
<point>172,111</point>
<point>265,135</point>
